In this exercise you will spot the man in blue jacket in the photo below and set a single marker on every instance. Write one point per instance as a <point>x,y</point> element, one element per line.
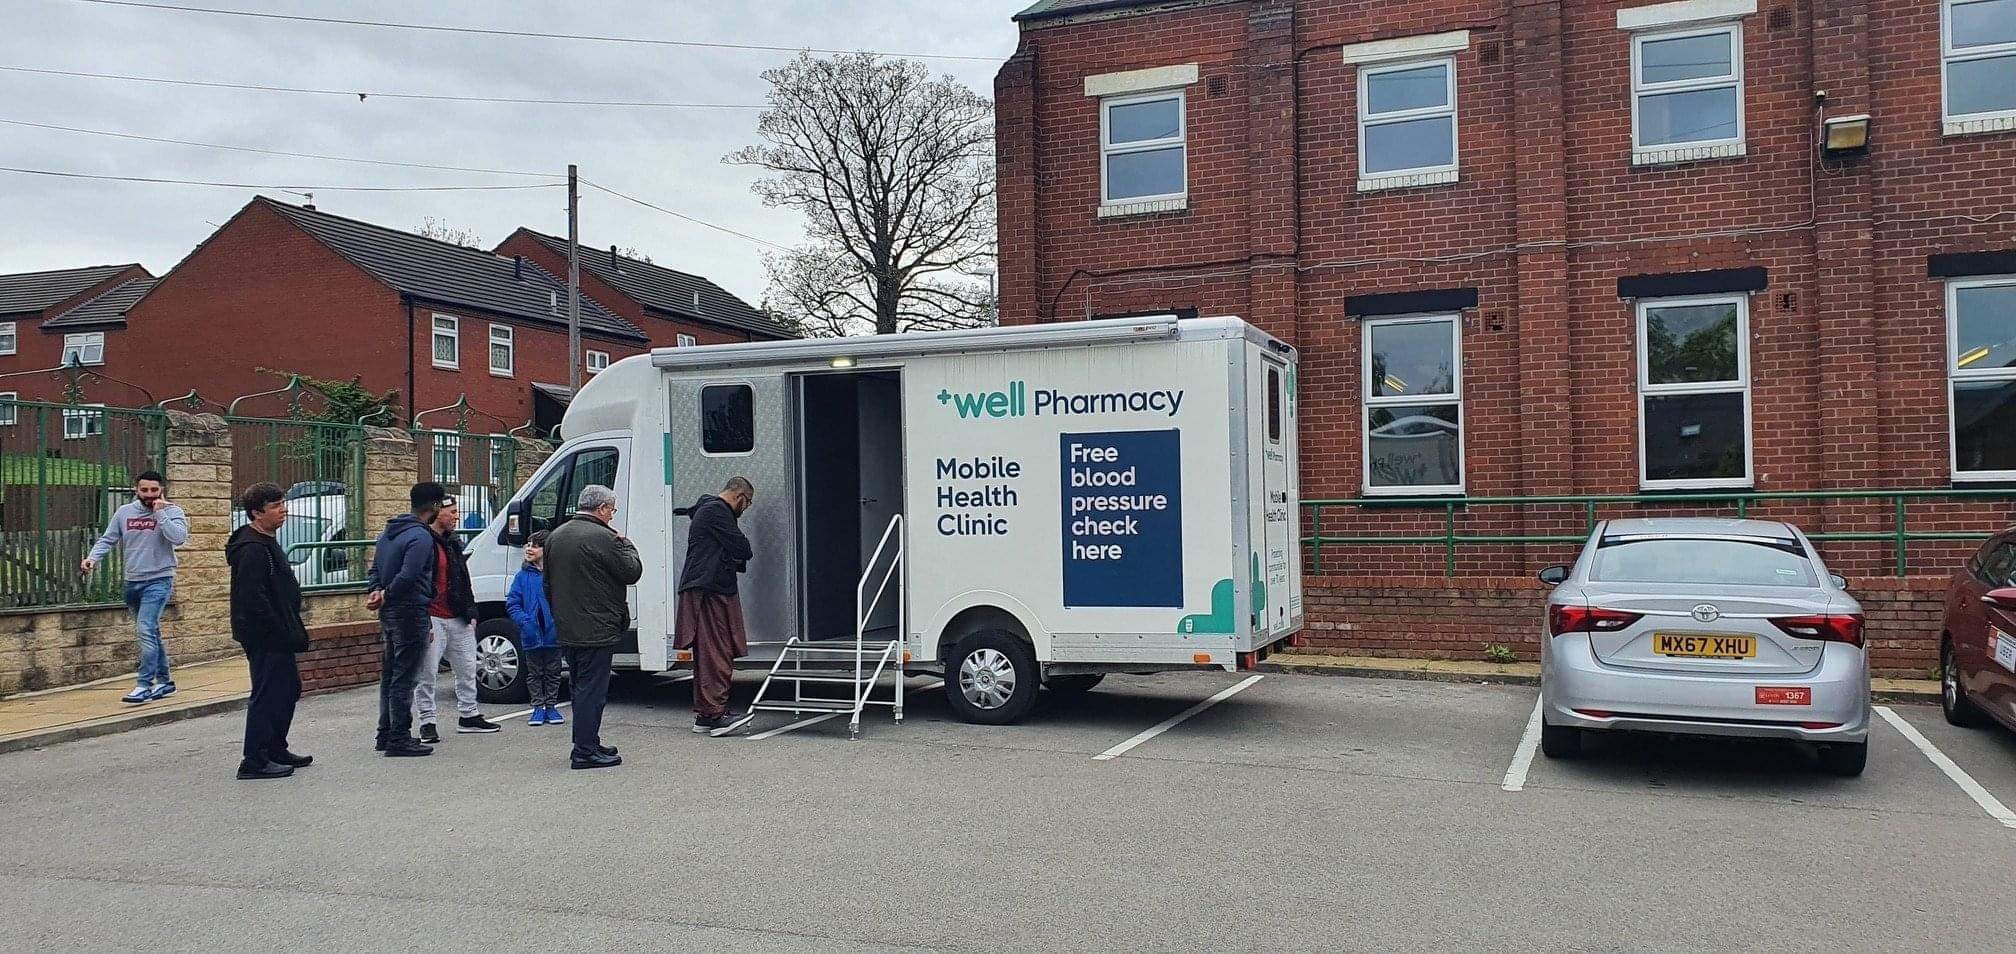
<point>401,590</point>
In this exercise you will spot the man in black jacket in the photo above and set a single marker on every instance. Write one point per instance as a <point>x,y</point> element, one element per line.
<point>266,620</point>
<point>709,616</point>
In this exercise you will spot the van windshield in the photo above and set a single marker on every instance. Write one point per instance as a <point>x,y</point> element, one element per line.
<point>1709,562</point>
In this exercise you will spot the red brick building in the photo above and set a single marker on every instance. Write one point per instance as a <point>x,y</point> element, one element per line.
<point>1534,247</point>
<point>74,315</point>
<point>673,307</point>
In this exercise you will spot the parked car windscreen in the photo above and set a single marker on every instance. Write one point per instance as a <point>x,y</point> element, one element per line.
<point>298,530</point>
<point>1707,562</point>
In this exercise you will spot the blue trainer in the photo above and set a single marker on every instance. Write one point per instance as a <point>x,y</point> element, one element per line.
<point>163,691</point>
<point>538,716</point>
<point>553,716</point>
<point>139,694</point>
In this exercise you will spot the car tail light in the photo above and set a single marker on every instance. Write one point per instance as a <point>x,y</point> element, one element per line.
<point>1587,619</point>
<point>1833,627</point>
<point>1595,713</point>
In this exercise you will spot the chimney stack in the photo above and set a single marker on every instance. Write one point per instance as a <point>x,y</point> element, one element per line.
<point>518,267</point>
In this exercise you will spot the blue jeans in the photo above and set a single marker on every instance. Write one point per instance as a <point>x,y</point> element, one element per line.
<point>146,599</point>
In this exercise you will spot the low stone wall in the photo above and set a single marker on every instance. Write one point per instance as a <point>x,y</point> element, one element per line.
<point>1438,618</point>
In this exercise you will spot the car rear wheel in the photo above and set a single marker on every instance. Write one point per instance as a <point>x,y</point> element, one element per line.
<point>1560,741</point>
<point>1953,695</point>
<point>1846,759</point>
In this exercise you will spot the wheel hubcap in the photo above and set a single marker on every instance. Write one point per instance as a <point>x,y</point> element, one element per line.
<point>987,678</point>
<point>496,662</point>
<point>1949,682</point>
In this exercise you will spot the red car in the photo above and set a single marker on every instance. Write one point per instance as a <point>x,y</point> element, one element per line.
<point>1977,653</point>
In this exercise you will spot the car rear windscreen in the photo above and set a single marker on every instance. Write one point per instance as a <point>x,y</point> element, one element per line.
<point>1712,562</point>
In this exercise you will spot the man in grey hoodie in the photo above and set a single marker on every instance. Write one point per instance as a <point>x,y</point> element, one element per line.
<point>146,531</point>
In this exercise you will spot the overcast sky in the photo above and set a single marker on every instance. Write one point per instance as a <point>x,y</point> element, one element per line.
<point>671,157</point>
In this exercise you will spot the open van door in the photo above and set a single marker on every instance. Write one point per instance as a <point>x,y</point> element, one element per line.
<point>1279,601</point>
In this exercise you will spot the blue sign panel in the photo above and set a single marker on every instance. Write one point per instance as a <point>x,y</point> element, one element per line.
<point>1123,518</point>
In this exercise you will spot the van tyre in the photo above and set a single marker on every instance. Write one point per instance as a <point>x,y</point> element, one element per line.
<point>1846,759</point>
<point>1952,695</point>
<point>992,678</point>
<point>1074,683</point>
<point>1560,741</point>
<point>500,663</point>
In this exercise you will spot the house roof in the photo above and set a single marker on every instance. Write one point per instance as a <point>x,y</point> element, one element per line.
<point>34,291</point>
<point>1053,9</point>
<point>451,274</point>
<point>108,308</point>
<point>669,290</point>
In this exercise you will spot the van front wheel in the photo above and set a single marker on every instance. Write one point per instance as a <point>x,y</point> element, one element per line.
<point>993,678</point>
<point>500,669</point>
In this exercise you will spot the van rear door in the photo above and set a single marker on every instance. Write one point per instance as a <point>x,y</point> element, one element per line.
<point>1278,479</point>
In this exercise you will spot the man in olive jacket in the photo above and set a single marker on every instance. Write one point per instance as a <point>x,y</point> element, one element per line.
<point>266,620</point>
<point>589,567</point>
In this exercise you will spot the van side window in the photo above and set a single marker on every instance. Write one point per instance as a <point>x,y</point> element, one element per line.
<point>557,494</point>
<point>1273,405</point>
<point>727,419</point>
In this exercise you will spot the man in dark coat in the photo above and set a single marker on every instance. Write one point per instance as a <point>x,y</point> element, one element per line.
<point>589,567</point>
<point>266,620</point>
<point>709,618</point>
<point>402,589</point>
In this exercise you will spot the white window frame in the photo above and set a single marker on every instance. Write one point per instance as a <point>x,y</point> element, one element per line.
<point>87,419</point>
<point>9,414</point>
<point>685,341</point>
<point>1419,175</point>
<point>1699,149</point>
<point>454,335</point>
<point>11,335</point>
<point>588,361</point>
<point>1741,384</point>
<point>1958,124</point>
<point>1164,201</point>
<point>1956,374</point>
<point>1368,402</point>
<point>81,345</point>
<point>503,335</point>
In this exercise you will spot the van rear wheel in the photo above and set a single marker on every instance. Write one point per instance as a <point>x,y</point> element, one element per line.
<point>992,678</point>
<point>500,664</point>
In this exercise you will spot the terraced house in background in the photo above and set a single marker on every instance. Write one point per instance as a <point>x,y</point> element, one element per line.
<point>1556,250</point>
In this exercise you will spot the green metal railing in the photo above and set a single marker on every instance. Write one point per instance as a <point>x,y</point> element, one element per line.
<point>1898,535</point>
<point>479,469</point>
<point>63,469</point>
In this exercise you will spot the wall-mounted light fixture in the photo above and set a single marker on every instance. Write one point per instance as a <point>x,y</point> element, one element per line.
<point>842,361</point>
<point>1844,136</point>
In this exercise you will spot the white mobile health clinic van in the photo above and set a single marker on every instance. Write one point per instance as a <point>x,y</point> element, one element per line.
<point>1006,507</point>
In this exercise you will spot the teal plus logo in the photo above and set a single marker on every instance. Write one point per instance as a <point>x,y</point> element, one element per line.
<point>1013,402</point>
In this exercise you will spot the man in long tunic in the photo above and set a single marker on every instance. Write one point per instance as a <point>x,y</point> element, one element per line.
<point>710,607</point>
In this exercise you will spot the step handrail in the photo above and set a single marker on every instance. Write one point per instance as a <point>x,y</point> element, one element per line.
<point>861,616</point>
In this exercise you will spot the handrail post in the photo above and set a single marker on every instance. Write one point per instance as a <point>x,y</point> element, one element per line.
<point>1900,534</point>
<point>1316,533</point>
<point>1449,540</point>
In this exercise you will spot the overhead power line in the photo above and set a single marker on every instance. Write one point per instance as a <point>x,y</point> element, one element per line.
<point>684,216</point>
<point>278,152</point>
<point>534,34</point>
<point>362,95</point>
<point>61,174</point>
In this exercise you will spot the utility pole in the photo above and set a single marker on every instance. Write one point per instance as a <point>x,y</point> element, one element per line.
<point>573,280</point>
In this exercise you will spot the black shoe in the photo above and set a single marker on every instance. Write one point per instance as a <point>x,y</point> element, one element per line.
<point>709,723</point>
<point>476,723</point>
<point>380,747</point>
<point>430,735</point>
<point>285,757</point>
<point>606,749</point>
<point>598,760</point>
<point>268,770</point>
<point>727,722</point>
<point>406,749</point>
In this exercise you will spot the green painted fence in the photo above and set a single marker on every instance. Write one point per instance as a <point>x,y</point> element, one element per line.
<point>63,469</point>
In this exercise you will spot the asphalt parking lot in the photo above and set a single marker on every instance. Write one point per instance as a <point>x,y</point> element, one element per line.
<point>1299,812</point>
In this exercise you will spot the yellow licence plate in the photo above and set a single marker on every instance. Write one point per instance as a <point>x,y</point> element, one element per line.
<point>1705,647</point>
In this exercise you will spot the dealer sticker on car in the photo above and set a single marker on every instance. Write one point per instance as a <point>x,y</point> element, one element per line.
<point>2005,649</point>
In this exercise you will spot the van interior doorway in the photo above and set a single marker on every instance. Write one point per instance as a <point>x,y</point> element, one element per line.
<point>850,479</point>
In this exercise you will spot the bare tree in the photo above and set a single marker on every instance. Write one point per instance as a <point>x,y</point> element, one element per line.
<point>635,254</point>
<point>894,173</point>
<point>439,230</point>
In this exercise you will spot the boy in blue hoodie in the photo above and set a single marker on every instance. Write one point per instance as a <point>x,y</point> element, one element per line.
<point>536,640</point>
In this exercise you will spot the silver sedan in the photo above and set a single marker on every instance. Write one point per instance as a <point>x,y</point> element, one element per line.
<point>1702,626</point>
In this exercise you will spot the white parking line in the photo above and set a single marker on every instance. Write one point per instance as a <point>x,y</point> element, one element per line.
<point>815,720</point>
<point>1522,757</point>
<point>1171,722</point>
<point>1989,803</point>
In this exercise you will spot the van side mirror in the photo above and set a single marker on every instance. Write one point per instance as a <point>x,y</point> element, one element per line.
<point>517,524</point>
<point>1840,582</point>
<point>2004,598</point>
<point>1554,575</point>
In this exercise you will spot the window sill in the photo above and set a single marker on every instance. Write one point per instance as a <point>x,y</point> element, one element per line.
<point>1666,155</point>
<point>447,367</point>
<point>1995,481</point>
<point>1432,497</point>
<point>1986,124</point>
<point>1412,180</point>
<point>1697,487</point>
<point>1110,210</point>
<point>500,374</point>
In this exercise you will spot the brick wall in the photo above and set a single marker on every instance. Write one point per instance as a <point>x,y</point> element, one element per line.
<point>341,656</point>
<point>1437,618</point>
